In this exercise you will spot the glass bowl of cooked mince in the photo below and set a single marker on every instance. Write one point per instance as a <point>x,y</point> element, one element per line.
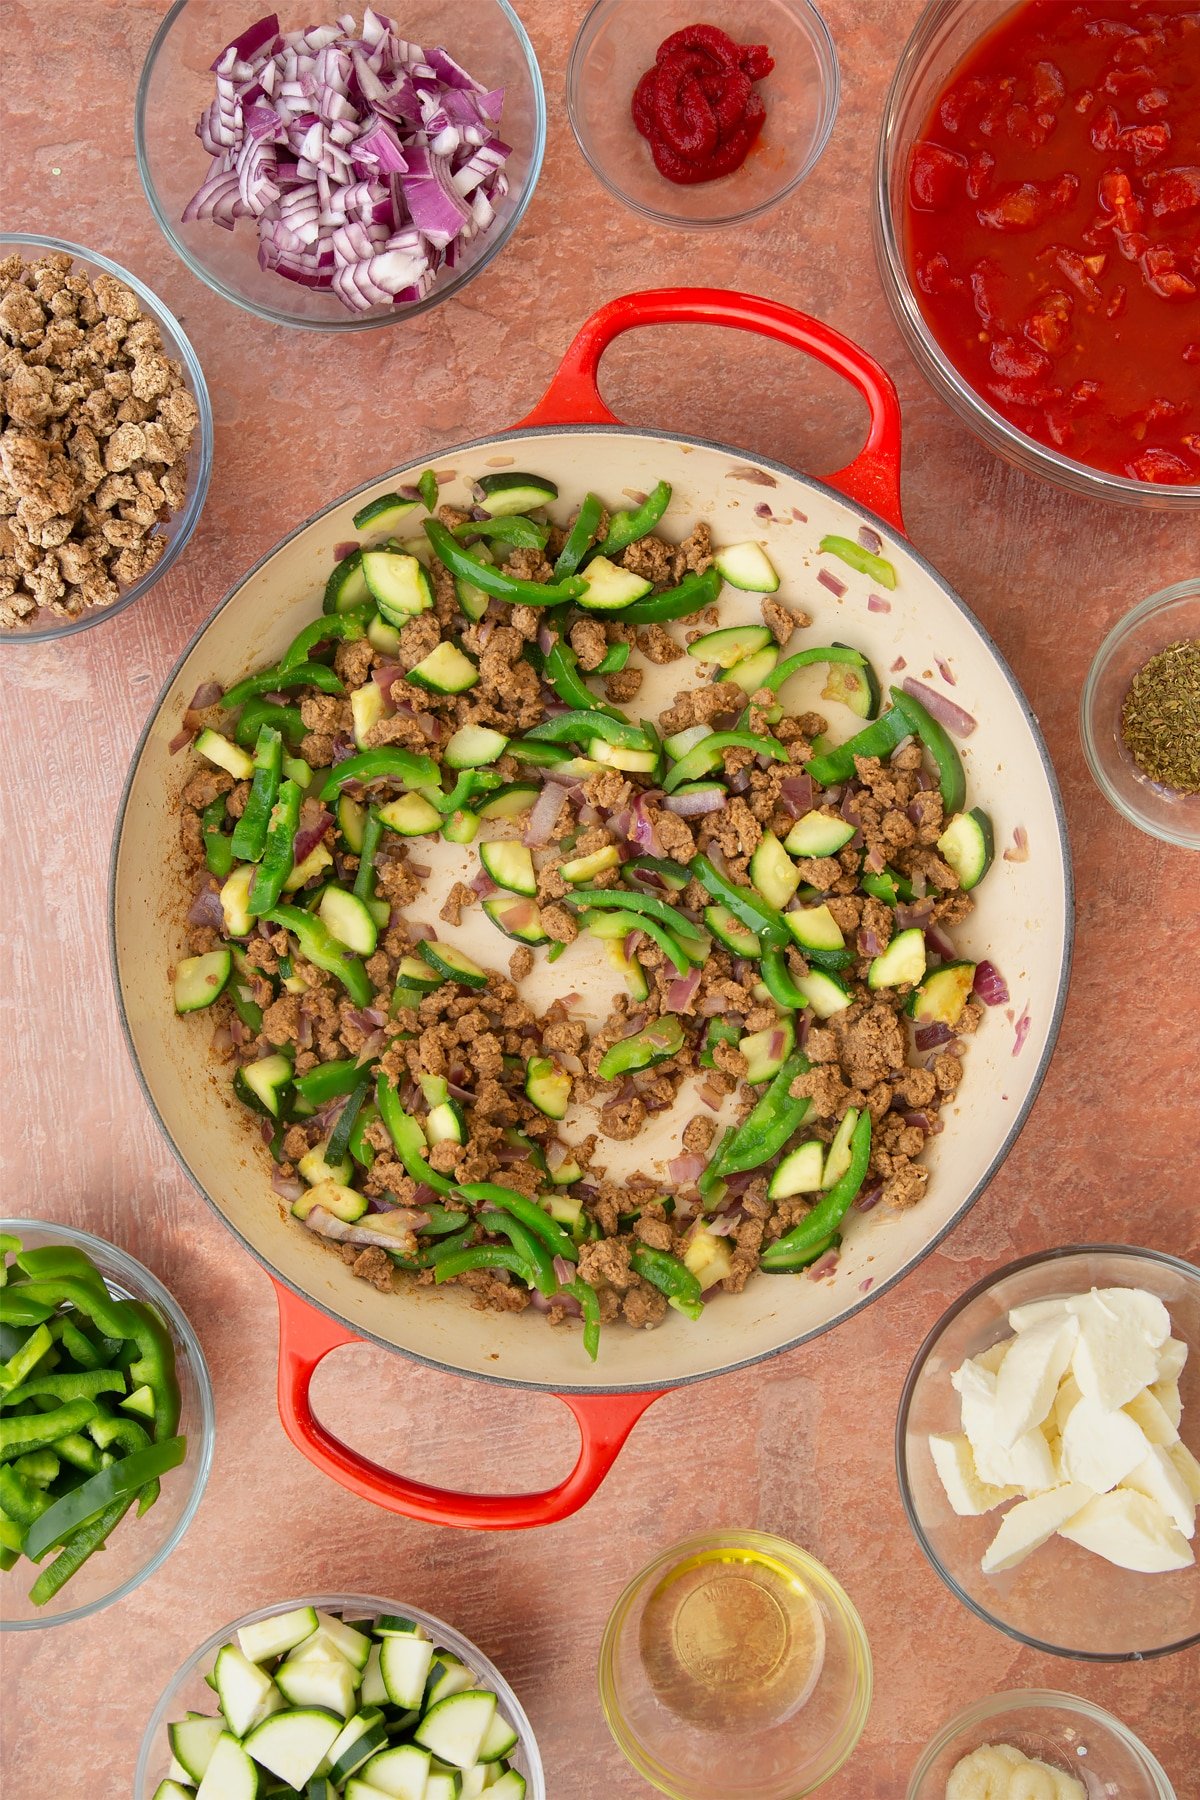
<point>1140,715</point>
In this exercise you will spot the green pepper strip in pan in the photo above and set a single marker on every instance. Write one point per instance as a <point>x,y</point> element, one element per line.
<point>427,487</point>
<point>562,672</point>
<point>879,738</point>
<point>627,526</point>
<point>765,920</point>
<point>693,594</point>
<point>527,1213</point>
<point>643,1049</point>
<point>632,900</point>
<point>470,784</point>
<point>803,659</point>
<point>250,832</point>
<point>705,756</point>
<point>323,950</point>
<point>580,537</point>
<point>532,1249</point>
<point>613,661</point>
<point>218,848</point>
<point>446,1246</point>
<point>441,1220</point>
<point>307,674</point>
<point>589,1301</point>
<point>515,529</point>
<point>768,1126</point>
<point>494,581</point>
<point>670,1277</point>
<point>339,1137</point>
<point>779,982</point>
<point>951,778</point>
<point>408,1138</point>
<point>276,864</point>
<point>287,721</point>
<point>811,1236</point>
<point>877,567</point>
<point>364,880</point>
<point>385,764</point>
<point>41,1431</point>
<point>628,921</point>
<point>345,627</point>
<point>328,1081</point>
<point>484,1256</point>
<point>580,726</point>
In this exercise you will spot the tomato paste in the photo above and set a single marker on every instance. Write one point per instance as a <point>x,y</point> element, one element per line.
<point>697,108</point>
<point>1054,229</point>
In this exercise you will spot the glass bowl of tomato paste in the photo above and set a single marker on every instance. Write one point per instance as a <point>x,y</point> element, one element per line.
<point>1037,228</point>
<point>777,123</point>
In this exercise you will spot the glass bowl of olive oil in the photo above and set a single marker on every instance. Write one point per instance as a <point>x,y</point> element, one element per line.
<point>734,1667</point>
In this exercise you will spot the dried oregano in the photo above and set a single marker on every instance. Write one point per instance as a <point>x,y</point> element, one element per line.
<point>1160,720</point>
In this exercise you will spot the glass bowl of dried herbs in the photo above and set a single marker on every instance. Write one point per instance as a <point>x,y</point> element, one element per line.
<point>1140,715</point>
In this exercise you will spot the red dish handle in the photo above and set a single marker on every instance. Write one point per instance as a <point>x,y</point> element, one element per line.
<point>573,397</point>
<point>306,1337</point>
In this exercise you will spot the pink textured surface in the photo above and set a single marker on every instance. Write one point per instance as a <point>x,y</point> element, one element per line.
<point>801,1445</point>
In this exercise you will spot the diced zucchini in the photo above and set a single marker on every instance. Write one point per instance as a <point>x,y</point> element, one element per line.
<point>414,973</point>
<point>824,991</point>
<point>453,964</point>
<point>266,1638</point>
<point>294,1744</point>
<point>453,1729</point>
<point>446,670</point>
<point>473,601</point>
<point>815,929</point>
<point>193,1741</point>
<point>547,1087</point>
<point>265,1086</point>
<point>383,637</point>
<point>447,1676</point>
<point>511,1786</point>
<point>344,1203</point>
<point>446,1123</point>
<point>172,1790</point>
<point>611,588</point>
<point>767,1051</point>
<point>352,819</point>
<point>709,1258</point>
<point>404,1663</point>
<point>498,1740</point>
<point>373,1692</point>
<point>346,588</point>
<point>199,980</point>
<point>346,918</point>
<point>318,858</point>
<point>941,996</point>
<point>902,961</point>
<point>230,1775</point>
<point>461,827</point>
<point>511,801</point>
<point>731,644</point>
<point>399,584</point>
<point>440,1786</point>
<point>510,865</point>
<point>751,673</point>
<point>517,918</point>
<point>361,1737</point>
<point>411,816</point>
<point>773,872</point>
<point>853,685</point>
<point>817,834</point>
<point>383,514</point>
<point>747,566</point>
<point>800,1171</point>
<point>837,1160</point>
<point>473,747</point>
<point>235,901</point>
<point>246,1693</point>
<point>730,931</point>
<point>326,1682</point>
<point>402,1772</point>
<point>226,755</point>
<point>586,868</point>
<point>968,846</point>
<point>367,707</point>
<point>504,495</point>
<point>313,1168</point>
<point>631,969</point>
<point>681,742</point>
<point>619,756</point>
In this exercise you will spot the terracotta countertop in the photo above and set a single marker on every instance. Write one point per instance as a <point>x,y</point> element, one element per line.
<point>801,1445</point>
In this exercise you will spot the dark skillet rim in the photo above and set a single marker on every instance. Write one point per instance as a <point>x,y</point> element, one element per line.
<point>890,534</point>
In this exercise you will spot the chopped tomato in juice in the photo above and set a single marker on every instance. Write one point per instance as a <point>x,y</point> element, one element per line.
<point>1053,215</point>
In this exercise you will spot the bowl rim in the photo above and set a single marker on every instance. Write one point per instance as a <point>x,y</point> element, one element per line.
<point>148,1286</point>
<point>369,1604</point>
<point>997,433</point>
<point>829,65</point>
<point>1164,1257</point>
<point>890,533</point>
<point>1188,589</point>
<point>353,321</point>
<point>189,513</point>
<point>784,1549</point>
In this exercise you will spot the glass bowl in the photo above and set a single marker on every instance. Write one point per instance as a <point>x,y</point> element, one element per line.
<point>177,83</point>
<point>1070,1734</point>
<point>1061,1599</point>
<point>734,1667</point>
<point>945,32</point>
<point>138,1547</point>
<point>180,526</point>
<point>1163,619</point>
<point>187,1690</point>
<point>614,47</point>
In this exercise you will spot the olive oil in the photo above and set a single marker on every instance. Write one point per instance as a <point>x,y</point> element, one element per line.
<point>732,1639</point>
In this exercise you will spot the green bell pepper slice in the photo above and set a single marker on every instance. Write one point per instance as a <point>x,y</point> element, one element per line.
<point>526,1245</point>
<point>693,594</point>
<point>629,524</point>
<point>811,1236</point>
<point>115,1318</point>
<point>408,1138</point>
<point>41,1431</point>
<point>121,1481</point>
<point>562,672</point>
<point>613,660</point>
<point>250,832</point>
<point>635,901</point>
<point>276,864</point>
<point>76,1551</point>
<point>767,1128</point>
<point>306,674</point>
<point>72,1384</point>
<point>526,1212</point>
<point>670,1277</point>
<point>427,487</point>
<point>323,950</point>
<point>623,921</point>
<point>583,724</point>
<point>589,1301</point>
<point>491,580</point>
<point>514,529</point>
<point>328,1081</point>
<point>471,783</point>
<point>580,537</point>
<point>339,1137</point>
<point>364,879</point>
<point>765,920</point>
<point>21,1499</point>
<point>879,738</point>
<point>442,1220</point>
<point>484,1256</point>
<point>17,1308</point>
<point>346,628</point>
<point>877,567</point>
<point>656,1042</point>
<point>803,659</point>
<point>888,885</point>
<point>952,778</point>
<point>287,720</point>
<point>441,1248</point>
<point>779,982</point>
<point>705,756</point>
<point>22,1362</point>
<point>218,846</point>
<point>407,767</point>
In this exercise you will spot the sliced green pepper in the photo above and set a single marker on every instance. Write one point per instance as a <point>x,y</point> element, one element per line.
<point>877,567</point>
<point>670,1277</point>
<point>218,847</point>
<point>37,1345</point>
<point>121,1481</point>
<point>767,1127</point>
<point>388,763</point>
<point>951,778</point>
<point>634,900</point>
<point>408,1138</point>
<point>287,720</point>
<point>427,487</point>
<point>562,672</point>
<point>580,726</point>
<point>644,1049</point>
<point>484,1256</point>
<point>21,1499</point>
<point>438,1251</point>
<point>115,1318</point>
<point>308,674</point>
<point>706,756</point>
<point>154,1367</point>
<point>879,738</point>
<point>529,1247</point>
<point>250,832</point>
<point>494,581</point>
<point>328,1081</point>
<point>346,627</point>
<point>589,1301</point>
<point>77,1344</point>
<point>339,1137</point>
<point>811,1235</point>
<point>468,786</point>
<point>276,864</point>
<point>580,537</point>
<point>629,524</point>
<point>622,922</point>
<point>778,979</point>
<point>514,529</point>
<point>888,885</point>
<point>41,1431</point>
<point>693,594</point>
<point>364,880</point>
<point>74,1384</point>
<point>613,660</point>
<point>803,659</point>
<point>765,920</point>
<point>323,950</point>
<point>442,1220</point>
<point>40,1467</point>
<point>78,1547</point>
<point>527,1213</point>
<point>18,1308</point>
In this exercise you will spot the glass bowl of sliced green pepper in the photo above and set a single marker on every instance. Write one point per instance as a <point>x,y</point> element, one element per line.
<point>106,1424</point>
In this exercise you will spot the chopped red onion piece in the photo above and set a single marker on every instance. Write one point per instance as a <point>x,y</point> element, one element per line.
<point>910,913</point>
<point>682,991</point>
<point>990,986</point>
<point>864,1287</point>
<point>205,695</point>
<point>384,1230</point>
<point>877,604</point>
<point>930,1037</point>
<point>945,671</point>
<point>206,909</point>
<point>1020,846</point>
<point>1021,1031</point>
<point>945,711</point>
<point>183,736</point>
<point>725,1223</point>
<point>939,943</point>
<point>869,1197</point>
<point>309,836</point>
<point>763,511</point>
<point>686,1170</point>
<point>693,806</point>
<point>824,1265</point>
<point>420,933</point>
<point>899,664</point>
<point>796,793</point>
<point>829,580</point>
<point>544,816</point>
<point>869,943</point>
<point>288,1187</point>
<point>870,539</point>
<point>483,885</point>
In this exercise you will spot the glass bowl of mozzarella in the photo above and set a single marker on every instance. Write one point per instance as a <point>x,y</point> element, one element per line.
<point>1045,1449</point>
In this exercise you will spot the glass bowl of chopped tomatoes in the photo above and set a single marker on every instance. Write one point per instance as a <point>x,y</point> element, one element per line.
<point>1037,229</point>
<point>1165,716</point>
<point>731,128</point>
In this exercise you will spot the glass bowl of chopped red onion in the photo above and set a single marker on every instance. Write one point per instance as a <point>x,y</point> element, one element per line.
<point>1167,618</point>
<point>339,172</point>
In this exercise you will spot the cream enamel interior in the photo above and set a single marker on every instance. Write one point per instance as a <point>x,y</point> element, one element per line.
<point>1022,921</point>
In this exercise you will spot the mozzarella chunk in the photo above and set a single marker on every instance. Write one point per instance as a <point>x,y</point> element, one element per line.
<point>1029,1376</point>
<point>991,1358</point>
<point>1027,1464</point>
<point>1166,1392</point>
<point>955,1463</point>
<point>1129,1530</point>
<point>1101,1447</point>
<point>1036,1312</point>
<point>1171,1359</point>
<point>1157,1477</point>
<point>1188,1467</point>
<point>1152,1417</point>
<point>1067,1397</point>
<point>1031,1523</point>
<point>1113,1359</point>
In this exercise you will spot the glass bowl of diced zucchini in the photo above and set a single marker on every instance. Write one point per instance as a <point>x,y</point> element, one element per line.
<point>339,1695</point>
<point>1046,1449</point>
